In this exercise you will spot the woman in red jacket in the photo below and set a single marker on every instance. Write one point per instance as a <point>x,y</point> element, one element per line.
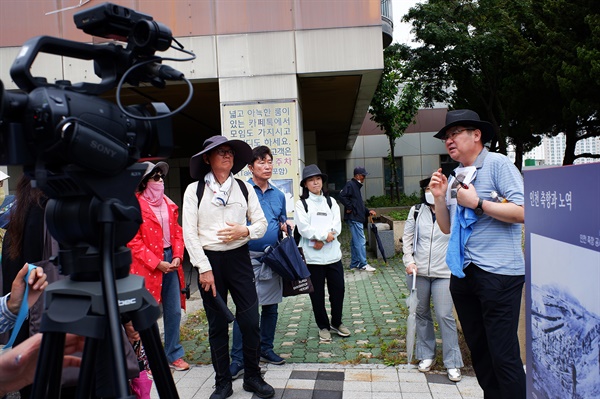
<point>157,251</point>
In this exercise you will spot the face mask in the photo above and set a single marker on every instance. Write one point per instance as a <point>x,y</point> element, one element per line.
<point>429,198</point>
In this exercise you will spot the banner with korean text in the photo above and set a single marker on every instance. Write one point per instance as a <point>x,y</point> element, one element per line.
<point>274,124</point>
<point>562,252</point>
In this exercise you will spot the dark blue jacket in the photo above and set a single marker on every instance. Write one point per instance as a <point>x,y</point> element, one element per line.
<point>351,199</point>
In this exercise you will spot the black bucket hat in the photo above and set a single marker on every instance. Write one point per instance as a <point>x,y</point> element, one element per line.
<point>466,118</point>
<point>310,171</point>
<point>243,155</point>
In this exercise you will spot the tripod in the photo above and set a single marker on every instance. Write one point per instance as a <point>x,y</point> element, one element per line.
<point>92,300</point>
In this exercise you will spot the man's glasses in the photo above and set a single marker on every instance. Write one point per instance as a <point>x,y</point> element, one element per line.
<point>222,152</point>
<point>451,135</point>
<point>157,177</point>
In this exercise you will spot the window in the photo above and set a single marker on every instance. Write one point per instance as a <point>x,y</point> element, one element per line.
<point>387,174</point>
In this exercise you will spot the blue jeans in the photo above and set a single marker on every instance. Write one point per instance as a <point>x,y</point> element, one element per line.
<point>171,304</point>
<point>268,323</point>
<point>358,248</point>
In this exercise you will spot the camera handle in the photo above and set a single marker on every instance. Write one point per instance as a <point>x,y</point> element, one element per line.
<point>92,309</point>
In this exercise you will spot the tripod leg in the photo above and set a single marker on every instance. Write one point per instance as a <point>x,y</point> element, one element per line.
<point>85,386</point>
<point>158,362</point>
<point>49,366</point>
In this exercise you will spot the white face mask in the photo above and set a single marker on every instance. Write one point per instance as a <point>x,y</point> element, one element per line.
<point>429,198</point>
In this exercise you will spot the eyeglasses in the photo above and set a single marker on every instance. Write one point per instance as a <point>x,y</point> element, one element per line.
<point>222,152</point>
<point>453,134</point>
<point>157,176</point>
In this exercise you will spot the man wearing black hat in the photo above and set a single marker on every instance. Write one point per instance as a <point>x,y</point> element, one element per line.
<point>484,252</point>
<point>216,232</point>
<point>355,214</point>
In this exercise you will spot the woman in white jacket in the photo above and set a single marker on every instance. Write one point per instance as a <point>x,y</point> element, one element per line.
<point>425,254</point>
<point>319,223</point>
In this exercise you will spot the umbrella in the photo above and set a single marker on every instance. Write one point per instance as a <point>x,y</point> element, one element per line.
<point>411,322</point>
<point>285,259</point>
<point>376,234</point>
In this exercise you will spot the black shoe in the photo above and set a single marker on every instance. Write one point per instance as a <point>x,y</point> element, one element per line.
<point>271,357</point>
<point>222,390</point>
<point>258,386</point>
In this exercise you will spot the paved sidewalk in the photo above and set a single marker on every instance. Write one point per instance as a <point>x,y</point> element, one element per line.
<point>370,364</point>
<point>335,381</point>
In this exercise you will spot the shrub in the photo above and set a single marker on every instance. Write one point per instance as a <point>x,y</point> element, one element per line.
<point>384,201</point>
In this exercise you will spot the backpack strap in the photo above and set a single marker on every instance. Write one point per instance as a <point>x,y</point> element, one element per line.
<point>417,207</point>
<point>202,184</point>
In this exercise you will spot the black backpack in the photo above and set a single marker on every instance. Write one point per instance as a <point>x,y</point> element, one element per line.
<point>297,235</point>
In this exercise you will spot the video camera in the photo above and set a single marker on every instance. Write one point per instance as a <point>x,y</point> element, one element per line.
<point>80,149</point>
<point>48,126</point>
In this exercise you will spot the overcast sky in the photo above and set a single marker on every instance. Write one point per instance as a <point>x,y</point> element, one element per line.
<point>402,30</point>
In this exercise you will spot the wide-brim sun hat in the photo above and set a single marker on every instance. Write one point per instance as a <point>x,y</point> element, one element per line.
<point>310,171</point>
<point>243,155</point>
<point>162,166</point>
<point>466,118</point>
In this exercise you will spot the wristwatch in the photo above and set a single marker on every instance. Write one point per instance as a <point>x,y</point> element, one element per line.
<point>479,210</point>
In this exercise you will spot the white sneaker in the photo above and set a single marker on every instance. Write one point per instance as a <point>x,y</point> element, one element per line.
<point>454,375</point>
<point>368,268</point>
<point>426,365</point>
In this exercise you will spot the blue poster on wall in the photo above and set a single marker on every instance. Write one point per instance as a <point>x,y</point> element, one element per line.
<point>562,252</point>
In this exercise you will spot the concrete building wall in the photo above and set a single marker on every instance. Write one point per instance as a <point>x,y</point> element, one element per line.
<point>420,154</point>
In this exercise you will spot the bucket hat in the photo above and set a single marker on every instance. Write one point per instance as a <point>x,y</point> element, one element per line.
<point>310,171</point>
<point>243,155</point>
<point>359,170</point>
<point>162,166</point>
<point>466,118</point>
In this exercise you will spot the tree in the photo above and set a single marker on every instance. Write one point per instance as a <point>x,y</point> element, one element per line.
<point>395,103</point>
<point>529,67</point>
<point>564,36</point>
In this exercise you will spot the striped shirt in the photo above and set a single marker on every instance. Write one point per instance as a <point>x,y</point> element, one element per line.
<point>7,318</point>
<point>495,246</point>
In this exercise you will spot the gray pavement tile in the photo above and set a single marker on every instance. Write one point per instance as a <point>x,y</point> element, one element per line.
<point>385,386</point>
<point>362,386</point>
<point>356,395</point>
<point>331,375</point>
<point>327,394</point>
<point>329,385</point>
<point>297,394</point>
<point>417,395</point>
<point>435,378</point>
<point>414,387</point>
<point>304,375</point>
<point>300,384</point>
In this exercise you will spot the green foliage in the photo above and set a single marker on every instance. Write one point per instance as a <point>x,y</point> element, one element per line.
<point>384,201</point>
<point>528,67</point>
<point>401,214</point>
<point>395,103</point>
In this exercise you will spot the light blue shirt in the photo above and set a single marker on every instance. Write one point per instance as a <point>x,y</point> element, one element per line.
<point>495,246</point>
<point>272,202</point>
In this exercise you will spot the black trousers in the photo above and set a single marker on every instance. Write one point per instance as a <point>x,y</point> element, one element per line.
<point>488,307</point>
<point>233,273</point>
<point>333,274</point>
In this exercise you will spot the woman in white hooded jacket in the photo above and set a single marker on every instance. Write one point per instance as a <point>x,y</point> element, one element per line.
<point>424,247</point>
<point>319,223</point>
